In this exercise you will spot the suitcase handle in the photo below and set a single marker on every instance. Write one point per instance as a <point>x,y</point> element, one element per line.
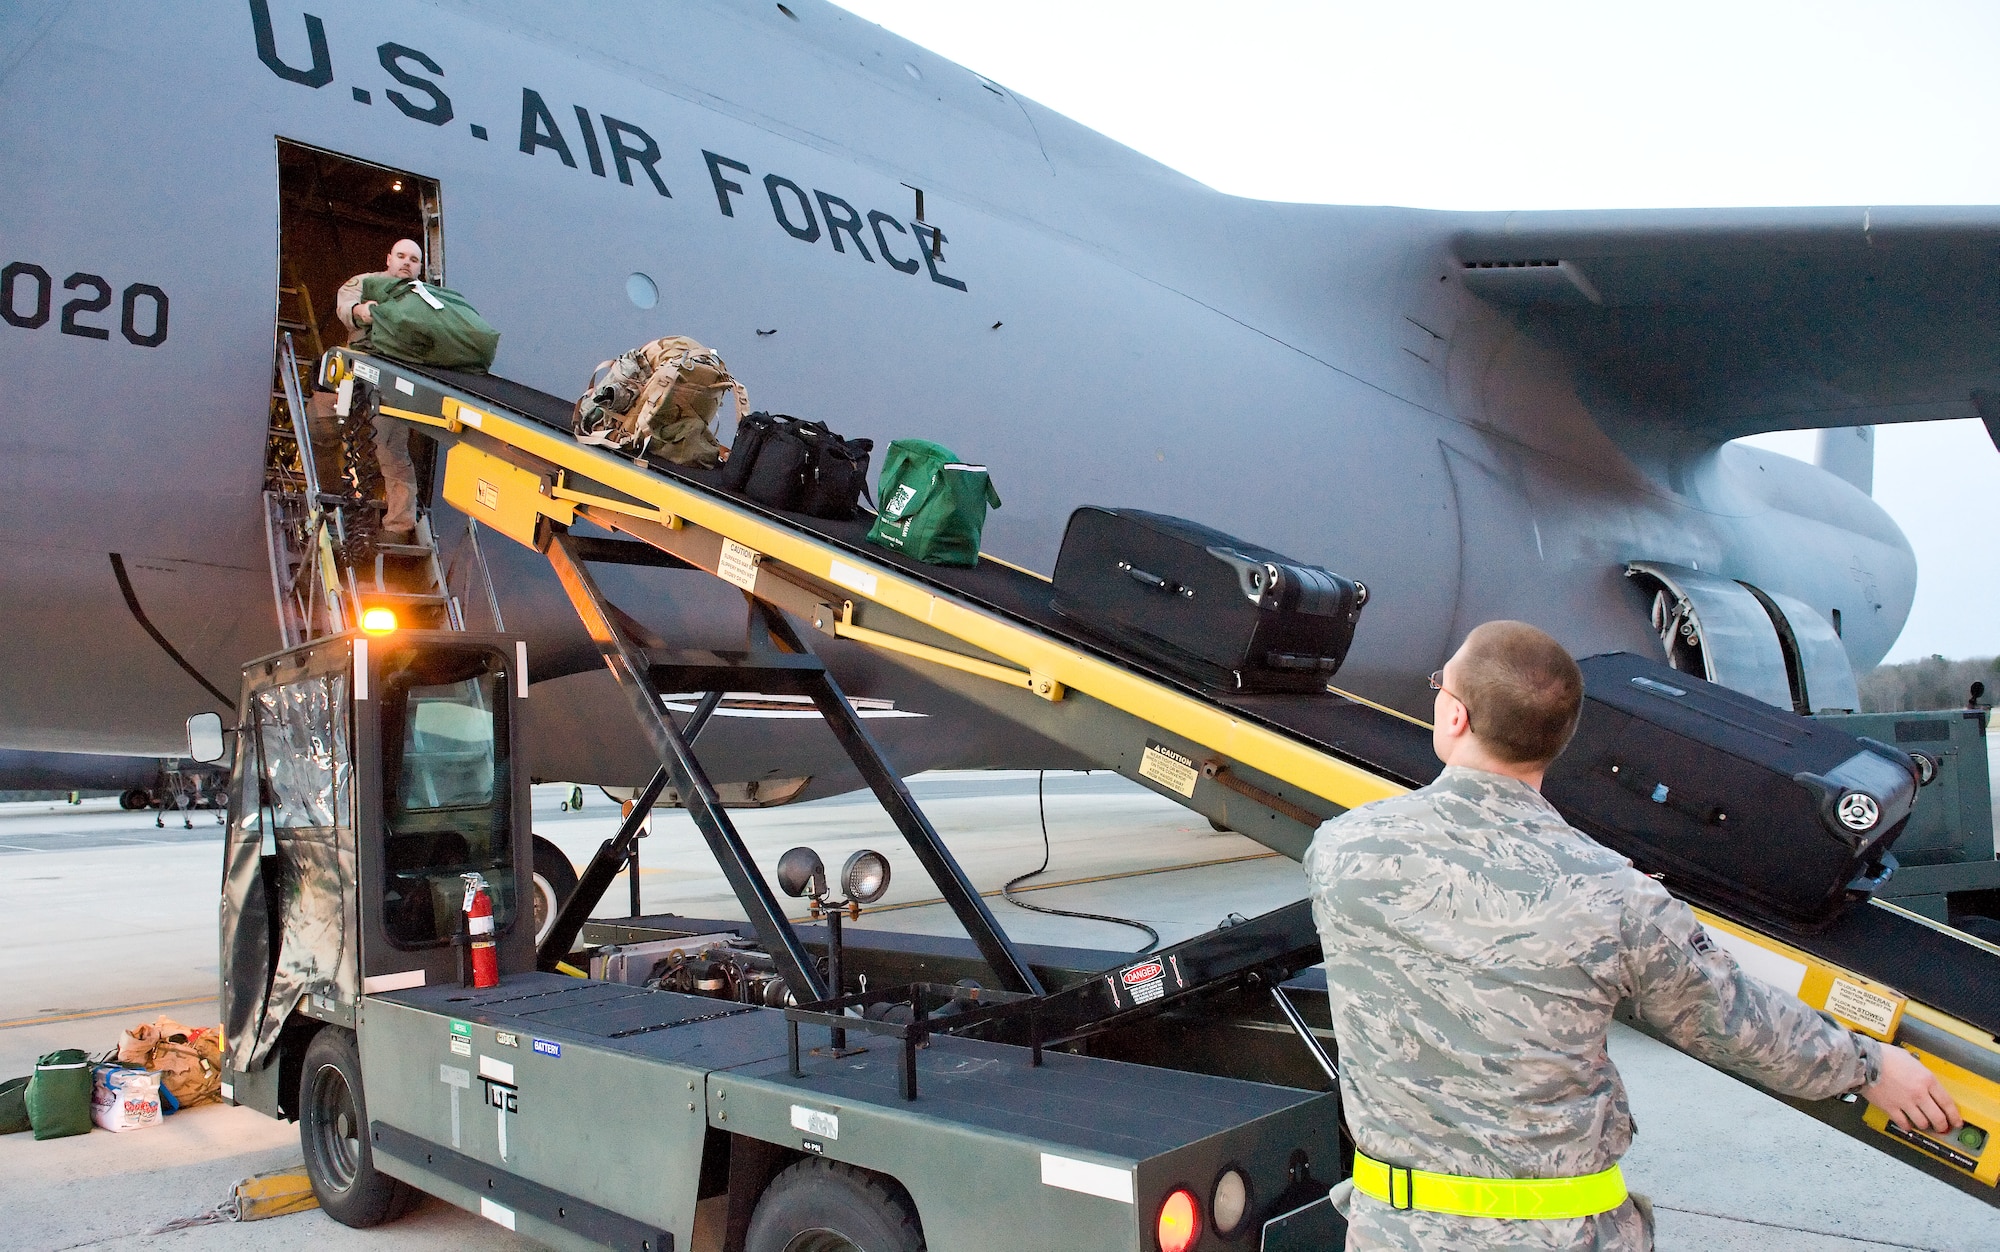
<point>1155,581</point>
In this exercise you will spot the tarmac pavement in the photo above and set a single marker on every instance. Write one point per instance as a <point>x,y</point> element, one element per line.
<point>107,920</point>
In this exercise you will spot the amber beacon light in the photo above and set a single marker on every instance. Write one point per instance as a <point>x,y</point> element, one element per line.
<point>378,621</point>
<point>1180,1222</point>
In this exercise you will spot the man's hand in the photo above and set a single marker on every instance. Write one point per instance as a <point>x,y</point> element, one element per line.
<point>365,312</point>
<point>1911,1095</point>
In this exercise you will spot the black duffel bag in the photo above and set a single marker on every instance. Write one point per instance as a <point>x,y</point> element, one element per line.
<point>788,463</point>
<point>837,479</point>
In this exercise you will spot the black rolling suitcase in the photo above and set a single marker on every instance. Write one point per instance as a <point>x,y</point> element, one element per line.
<point>1731,800</point>
<point>1209,607</point>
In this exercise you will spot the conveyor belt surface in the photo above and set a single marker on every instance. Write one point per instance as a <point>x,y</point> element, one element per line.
<point>1940,969</point>
<point>1344,728</point>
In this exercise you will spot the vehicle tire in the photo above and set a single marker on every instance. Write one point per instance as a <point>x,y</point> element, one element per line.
<point>1986,928</point>
<point>555,882</point>
<point>819,1205</point>
<point>135,799</point>
<point>333,1135</point>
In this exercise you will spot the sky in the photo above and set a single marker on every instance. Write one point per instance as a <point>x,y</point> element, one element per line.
<point>1540,104</point>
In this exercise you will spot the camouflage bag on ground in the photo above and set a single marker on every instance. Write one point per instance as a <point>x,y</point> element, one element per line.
<point>187,1058</point>
<point>660,400</point>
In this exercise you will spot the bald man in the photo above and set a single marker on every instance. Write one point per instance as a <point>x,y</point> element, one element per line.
<point>392,439</point>
<point>1476,946</point>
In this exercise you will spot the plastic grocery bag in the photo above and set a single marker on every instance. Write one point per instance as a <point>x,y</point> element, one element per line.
<point>123,1098</point>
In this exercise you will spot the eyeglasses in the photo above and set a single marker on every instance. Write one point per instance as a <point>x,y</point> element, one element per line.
<point>1437,684</point>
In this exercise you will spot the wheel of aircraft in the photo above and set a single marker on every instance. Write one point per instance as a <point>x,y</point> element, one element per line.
<point>134,799</point>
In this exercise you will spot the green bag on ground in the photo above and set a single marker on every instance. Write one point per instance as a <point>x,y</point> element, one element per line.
<point>14,1106</point>
<point>933,505</point>
<point>58,1096</point>
<point>425,325</point>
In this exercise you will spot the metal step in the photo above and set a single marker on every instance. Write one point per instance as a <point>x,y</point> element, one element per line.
<point>409,597</point>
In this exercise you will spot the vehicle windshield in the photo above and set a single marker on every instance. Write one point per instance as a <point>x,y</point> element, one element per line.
<point>448,812</point>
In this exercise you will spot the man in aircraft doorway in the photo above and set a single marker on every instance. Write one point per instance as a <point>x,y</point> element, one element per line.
<point>392,439</point>
<point>1476,947</point>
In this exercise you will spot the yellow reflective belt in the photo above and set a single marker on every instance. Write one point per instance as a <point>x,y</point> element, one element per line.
<point>1539,1198</point>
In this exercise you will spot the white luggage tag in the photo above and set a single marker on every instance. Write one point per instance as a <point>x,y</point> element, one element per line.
<point>428,298</point>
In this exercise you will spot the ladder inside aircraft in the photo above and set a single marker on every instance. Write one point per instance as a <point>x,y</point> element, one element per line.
<point>1272,767</point>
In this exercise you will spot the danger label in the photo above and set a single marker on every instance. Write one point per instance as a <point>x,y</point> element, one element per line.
<point>1145,983</point>
<point>1871,1011</point>
<point>739,565</point>
<point>1168,768</point>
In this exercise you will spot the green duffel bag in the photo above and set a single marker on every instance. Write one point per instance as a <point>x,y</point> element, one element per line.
<point>58,1096</point>
<point>933,504</point>
<point>14,1107</point>
<point>425,325</point>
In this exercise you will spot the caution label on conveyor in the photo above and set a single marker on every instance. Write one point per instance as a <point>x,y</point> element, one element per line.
<point>1168,768</point>
<point>1867,1009</point>
<point>739,564</point>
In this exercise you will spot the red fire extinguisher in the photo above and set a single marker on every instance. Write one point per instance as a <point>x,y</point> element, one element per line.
<point>479,932</point>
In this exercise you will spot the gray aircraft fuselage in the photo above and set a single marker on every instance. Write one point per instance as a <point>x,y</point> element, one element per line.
<point>1335,383</point>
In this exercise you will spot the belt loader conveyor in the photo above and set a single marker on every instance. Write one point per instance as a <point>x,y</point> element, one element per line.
<point>1271,767</point>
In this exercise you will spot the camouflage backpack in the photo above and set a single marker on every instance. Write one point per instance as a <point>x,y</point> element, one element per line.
<point>661,399</point>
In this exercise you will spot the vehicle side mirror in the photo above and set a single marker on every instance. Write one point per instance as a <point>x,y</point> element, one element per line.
<point>205,738</point>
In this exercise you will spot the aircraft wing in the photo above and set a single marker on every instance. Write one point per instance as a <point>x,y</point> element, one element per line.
<point>1730,322</point>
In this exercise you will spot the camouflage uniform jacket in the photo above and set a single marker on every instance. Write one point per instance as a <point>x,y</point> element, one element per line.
<point>1476,947</point>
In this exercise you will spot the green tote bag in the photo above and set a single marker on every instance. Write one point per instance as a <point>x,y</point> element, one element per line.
<point>933,505</point>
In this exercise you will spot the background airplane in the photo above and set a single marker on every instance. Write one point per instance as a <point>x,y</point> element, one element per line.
<point>1478,414</point>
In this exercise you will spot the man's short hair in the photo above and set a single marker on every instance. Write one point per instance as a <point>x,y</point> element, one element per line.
<point>1522,690</point>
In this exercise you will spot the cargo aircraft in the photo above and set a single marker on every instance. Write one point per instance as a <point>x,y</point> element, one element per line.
<point>1478,414</point>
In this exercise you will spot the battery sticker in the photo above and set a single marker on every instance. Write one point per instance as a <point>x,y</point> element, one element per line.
<point>461,1038</point>
<point>1872,1011</point>
<point>1168,768</point>
<point>814,1122</point>
<point>739,565</point>
<point>549,1047</point>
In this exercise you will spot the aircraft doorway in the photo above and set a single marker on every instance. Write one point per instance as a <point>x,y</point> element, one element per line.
<point>338,217</point>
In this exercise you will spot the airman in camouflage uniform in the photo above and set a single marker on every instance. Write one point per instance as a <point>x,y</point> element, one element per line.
<point>1476,947</point>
